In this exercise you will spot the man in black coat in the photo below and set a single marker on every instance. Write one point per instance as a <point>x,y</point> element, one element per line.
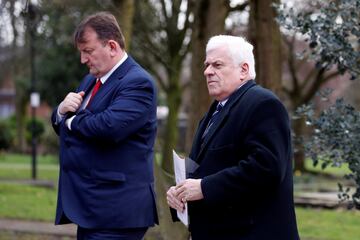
<point>243,187</point>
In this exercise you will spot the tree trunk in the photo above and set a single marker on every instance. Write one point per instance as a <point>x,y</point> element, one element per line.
<point>299,155</point>
<point>209,20</point>
<point>171,128</point>
<point>167,228</point>
<point>124,15</point>
<point>264,33</point>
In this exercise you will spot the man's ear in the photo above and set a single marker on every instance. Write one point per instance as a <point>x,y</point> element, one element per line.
<point>244,69</point>
<point>114,47</point>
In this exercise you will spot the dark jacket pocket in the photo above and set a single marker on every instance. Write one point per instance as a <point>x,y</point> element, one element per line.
<point>108,176</point>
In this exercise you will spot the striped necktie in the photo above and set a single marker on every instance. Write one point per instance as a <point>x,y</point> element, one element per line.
<point>213,118</point>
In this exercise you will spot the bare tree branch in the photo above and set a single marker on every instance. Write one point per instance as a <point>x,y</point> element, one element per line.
<point>163,9</point>
<point>292,63</point>
<point>318,81</point>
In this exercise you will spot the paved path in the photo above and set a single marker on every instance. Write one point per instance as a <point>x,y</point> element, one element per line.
<point>38,227</point>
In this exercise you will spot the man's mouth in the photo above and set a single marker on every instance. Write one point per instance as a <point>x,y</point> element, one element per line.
<point>211,81</point>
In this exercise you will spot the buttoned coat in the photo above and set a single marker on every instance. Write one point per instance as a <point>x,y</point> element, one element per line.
<point>245,163</point>
<point>106,159</point>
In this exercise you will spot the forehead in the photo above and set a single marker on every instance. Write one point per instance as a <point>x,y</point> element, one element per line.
<point>89,37</point>
<point>218,54</point>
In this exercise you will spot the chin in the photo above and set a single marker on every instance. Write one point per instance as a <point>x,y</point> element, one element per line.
<point>212,92</point>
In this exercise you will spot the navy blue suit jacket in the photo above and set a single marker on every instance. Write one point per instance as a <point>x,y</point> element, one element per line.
<point>245,163</point>
<point>106,160</point>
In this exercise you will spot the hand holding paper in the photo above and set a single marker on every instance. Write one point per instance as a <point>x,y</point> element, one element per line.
<point>189,190</point>
<point>180,176</point>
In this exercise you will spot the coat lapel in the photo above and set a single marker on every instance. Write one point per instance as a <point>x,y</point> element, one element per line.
<point>200,130</point>
<point>111,81</point>
<point>89,83</point>
<point>234,98</point>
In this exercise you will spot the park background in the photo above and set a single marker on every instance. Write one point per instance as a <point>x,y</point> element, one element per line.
<point>302,49</point>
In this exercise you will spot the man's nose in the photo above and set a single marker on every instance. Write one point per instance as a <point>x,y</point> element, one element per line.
<point>83,58</point>
<point>208,70</point>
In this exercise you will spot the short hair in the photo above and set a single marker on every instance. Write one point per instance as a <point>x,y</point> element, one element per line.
<point>105,26</point>
<point>239,49</point>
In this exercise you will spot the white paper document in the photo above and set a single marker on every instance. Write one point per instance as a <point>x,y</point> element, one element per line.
<point>180,176</point>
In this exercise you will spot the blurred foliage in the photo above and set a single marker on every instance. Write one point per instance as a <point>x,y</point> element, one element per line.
<point>333,34</point>
<point>6,136</point>
<point>335,141</point>
<point>50,140</point>
<point>34,127</point>
<point>332,31</point>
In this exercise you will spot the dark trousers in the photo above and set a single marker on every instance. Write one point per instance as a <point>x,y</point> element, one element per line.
<point>111,234</point>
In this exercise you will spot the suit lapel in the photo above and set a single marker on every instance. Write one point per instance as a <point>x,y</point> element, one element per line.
<point>201,128</point>
<point>234,98</point>
<point>111,81</point>
<point>89,83</point>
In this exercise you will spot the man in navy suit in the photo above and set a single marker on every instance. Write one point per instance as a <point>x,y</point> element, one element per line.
<point>243,187</point>
<point>107,130</point>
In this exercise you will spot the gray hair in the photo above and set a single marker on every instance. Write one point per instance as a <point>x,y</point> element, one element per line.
<point>239,49</point>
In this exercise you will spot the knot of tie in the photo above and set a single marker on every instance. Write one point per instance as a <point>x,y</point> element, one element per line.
<point>218,108</point>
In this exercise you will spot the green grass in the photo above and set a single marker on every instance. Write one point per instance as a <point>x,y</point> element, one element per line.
<point>16,166</point>
<point>23,201</point>
<point>320,224</point>
<point>21,158</point>
<point>27,202</point>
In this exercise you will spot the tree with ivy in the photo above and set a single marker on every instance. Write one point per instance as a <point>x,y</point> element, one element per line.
<point>333,36</point>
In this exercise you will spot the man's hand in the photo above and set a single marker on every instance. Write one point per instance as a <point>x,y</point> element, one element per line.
<point>173,201</point>
<point>189,190</point>
<point>71,102</point>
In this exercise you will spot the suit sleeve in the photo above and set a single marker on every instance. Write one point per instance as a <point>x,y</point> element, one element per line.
<point>268,146</point>
<point>55,126</point>
<point>129,111</point>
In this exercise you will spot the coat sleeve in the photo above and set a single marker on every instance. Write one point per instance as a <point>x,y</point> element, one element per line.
<point>129,111</point>
<point>55,126</point>
<point>267,144</point>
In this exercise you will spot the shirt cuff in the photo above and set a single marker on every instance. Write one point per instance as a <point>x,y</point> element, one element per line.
<point>69,121</point>
<point>59,117</point>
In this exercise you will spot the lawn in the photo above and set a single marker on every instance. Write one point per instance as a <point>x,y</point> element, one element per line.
<point>27,202</point>
<point>16,166</point>
<point>320,224</point>
<point>38,203</point>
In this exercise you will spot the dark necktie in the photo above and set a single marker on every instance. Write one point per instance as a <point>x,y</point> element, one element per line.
<point>213,118</point>
<point>94,91</point>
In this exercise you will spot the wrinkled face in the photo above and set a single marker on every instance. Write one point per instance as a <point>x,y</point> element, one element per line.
<point>96,54</point>
<point>222,75</point>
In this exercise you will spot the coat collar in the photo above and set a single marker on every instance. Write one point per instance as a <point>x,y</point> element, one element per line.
<point>118,74</point>
<point>234,98</point>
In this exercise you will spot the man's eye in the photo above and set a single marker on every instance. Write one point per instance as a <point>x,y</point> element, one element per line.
<point>217,65</point>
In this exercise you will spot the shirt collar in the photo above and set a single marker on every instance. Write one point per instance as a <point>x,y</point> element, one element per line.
<point>223,102</point>
<point>107,75</point>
